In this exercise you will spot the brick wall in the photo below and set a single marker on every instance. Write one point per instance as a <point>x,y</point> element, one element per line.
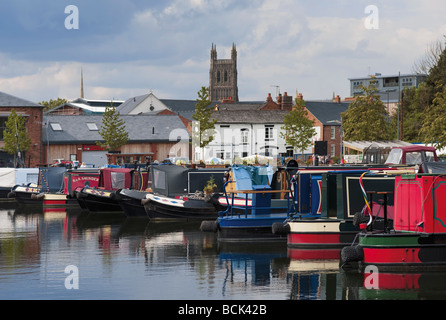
<point>33,157</point>
<point>326,135</point>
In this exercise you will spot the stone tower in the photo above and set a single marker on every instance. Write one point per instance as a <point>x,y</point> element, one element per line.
<point>223,76</point>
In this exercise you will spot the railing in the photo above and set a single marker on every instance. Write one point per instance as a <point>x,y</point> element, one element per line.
<point>244,208</point>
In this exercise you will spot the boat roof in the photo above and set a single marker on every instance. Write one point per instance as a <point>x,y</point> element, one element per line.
<point>415,147</point>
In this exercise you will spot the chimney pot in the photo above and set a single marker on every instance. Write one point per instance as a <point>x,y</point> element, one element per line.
<point>269,98</point>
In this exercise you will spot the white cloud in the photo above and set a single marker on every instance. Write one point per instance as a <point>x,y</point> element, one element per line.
<point>313,47</point>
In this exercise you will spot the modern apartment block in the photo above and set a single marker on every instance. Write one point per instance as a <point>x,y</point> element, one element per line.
<point>389,87</point>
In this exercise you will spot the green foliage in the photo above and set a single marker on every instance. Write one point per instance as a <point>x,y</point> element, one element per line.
<point>203,114</point>
<point>15,135</point>
<point>210,186</point>
<point>366,118</point>
<point>112,130</point>
<point>434,121</point>
<point>414,103</point>
<point>299,130</point>
<point>52,103</point>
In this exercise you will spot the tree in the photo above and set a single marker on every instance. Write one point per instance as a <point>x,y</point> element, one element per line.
<point>299,129</point>
<point>366,118</point>
<point>434,122</point>
<point>52,103</point>
<point>203,131</point>
<point>414,102</point>
<point>15,136</point>
<point>112,130</point>
<point>430,58</point>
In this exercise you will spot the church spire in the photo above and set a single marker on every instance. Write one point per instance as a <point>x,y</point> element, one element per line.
<point>82,85</point>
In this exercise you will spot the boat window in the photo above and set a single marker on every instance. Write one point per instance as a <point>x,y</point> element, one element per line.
<point>32,177</point>
<point>118,180</point>
<point>159,179</point>
<point>395,156</point>
<point>413,158</point>
<point>430,156</point>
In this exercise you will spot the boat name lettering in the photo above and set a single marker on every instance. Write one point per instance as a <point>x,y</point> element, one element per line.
<point>85,179</point>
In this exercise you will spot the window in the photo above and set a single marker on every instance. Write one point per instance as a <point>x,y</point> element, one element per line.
<point>2,126</point>
<point>395,156</point>
<point>333,133</point>
<point>269,134</point>
<point>226,76</point>
<point>55,126</point>
<point>244,135</point>
<point>92,126</point>
<point>332,150</point>
<point>218,76</point>
<point>117,180</point>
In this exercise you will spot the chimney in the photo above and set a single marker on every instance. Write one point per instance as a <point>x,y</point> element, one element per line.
<point>279,101</point>
<point>337,99</point>
<point>269,98</point>
<point>287,101</point>
<point>227,100</point>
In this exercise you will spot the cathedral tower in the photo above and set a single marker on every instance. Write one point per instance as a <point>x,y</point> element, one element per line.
<point>223,76</point>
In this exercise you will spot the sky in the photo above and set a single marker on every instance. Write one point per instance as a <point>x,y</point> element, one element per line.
<point>130,48</point>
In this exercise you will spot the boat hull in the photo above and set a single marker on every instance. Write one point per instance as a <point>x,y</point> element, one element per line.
<point>130,202</point>
<point>249,227</point>
<point>97,200</point>
<point>321,233</point>
<point>25,195</point>
<point>160,207</point>
<point>403,249</point>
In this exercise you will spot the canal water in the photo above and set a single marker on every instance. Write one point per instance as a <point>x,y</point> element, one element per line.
<point>67,254</point>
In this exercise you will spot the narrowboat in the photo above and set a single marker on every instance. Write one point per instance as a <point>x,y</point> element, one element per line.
<point>336,222</point>
<point>102,198</point>
<point>251,219</point>
<point>55,186</point>
<point>178,192</point>
<point>130,201</point>
<point>10,177</point>
<point>417,236</point>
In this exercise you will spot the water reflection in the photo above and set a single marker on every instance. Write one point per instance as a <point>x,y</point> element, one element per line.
<point>120,258</point>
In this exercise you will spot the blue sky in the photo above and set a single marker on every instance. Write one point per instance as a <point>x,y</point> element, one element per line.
<point>128,48</point>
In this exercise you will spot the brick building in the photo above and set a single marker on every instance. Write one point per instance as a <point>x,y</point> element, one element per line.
<point>33,114</point>
<point>327,117</point>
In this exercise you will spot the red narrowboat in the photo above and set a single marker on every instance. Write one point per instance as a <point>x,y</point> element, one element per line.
<point>418,234</point>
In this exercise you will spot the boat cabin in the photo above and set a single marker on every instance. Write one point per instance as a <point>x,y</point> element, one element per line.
<point>411,155</point>
<point>121,178</point>
<point>419,204</point>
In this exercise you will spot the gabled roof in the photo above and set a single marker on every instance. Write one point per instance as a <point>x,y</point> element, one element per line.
<point>327,112</point>
<point>91,106</point>
<point>250,116</point>
<point>74,129</point>
<point>7,100</point>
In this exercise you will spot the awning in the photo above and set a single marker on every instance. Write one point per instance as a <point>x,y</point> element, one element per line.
<point>362,145</point>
